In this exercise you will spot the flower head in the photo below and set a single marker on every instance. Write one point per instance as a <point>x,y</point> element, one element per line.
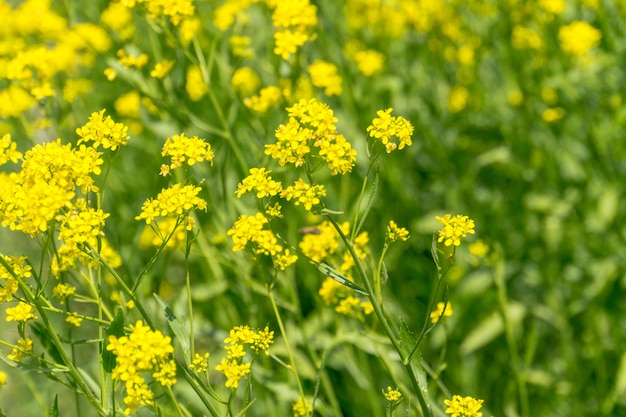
<point>303,193</point>
<point>395,233</point>
<point>386,127</point>
<point>454,228</point>
<point>21,313</point>
<point>463,406</point>
<point>143,351</point>
<point>103,131</point>
<point>392,395</point>
<point>578,38</point>
<point>186,150</point>
<point>442,310</point>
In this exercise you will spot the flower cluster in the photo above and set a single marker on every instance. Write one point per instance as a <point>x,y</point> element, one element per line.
<point>142,351</point>
<point>8,284</point>
<point>183,149</point>
<point>176,10</point>
<point>463,406</point>
<point>175,201</point>
<point>250,230</point>
<point>578,38</point>
<point>39,47</point>
<point>302,407</point>
<point>369,62</point>
<point>22,312</point>
<point>454,229</point>
<point>200,363</point>
<point>63,291</point>
<point>293,22</point>
<point>322,242</point>
<point>267,97</point>
<point>392,395</point>
<point>260,182</point>
<point>385,127</point>
<point>46,183</point>
<point>195,85</point>
<point>312,124</point>
<point>240,337</point>
<point>303,193</point>
<point>24,347</point>
<point>103,131</point>
<point>395,233</point>
<point>442,310</point>
<point>324,75</point>
<point>8,150</point>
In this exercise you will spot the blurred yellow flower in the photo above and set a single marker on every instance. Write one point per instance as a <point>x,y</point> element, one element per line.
<point>459,96</point>
<point>195,86</point>
<point>578,38</point>
<point>553,114</point>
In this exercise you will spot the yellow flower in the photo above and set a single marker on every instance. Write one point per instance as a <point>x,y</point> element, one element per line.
<point>24,347</point>
<point>195,86</point>
<point>578,38</point>
<point>463,406</point>
<point>3,378</point>
<point>303,193</point>
<point>454,228</point>
<point>324,75</point>
<point>175,201</point>
<point>436,314</point>
<point>385,127</point>
<point>552,6</point>
<point>268,97</point>
<point>395,233</point>
<point>245,81</point>
<point>553,114</point>
<point>20,313</point>
<point>190,150</point>
<point>249,229</point>
<point>8,150</point>
<point>302,407</point>
<point>459,96</point>
<point>74,320</point>
<point>103,131</point>
<point>392,395</point>
<point>62,291</point>
<point>293,21</point>
<point>200,363</point>
<point>369,62</point>
<point>161,69</point>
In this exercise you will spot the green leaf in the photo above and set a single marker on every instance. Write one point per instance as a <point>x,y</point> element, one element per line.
<point>54,410</point>
<point>116,328</point>
<point>181,333</point>
<point>407,339</point>
<point>332,272</point>
<point>43,335</point>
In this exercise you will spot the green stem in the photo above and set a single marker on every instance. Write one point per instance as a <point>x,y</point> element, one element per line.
<point>86,391</point>
<point>378,310</point>
<point>292,363</point>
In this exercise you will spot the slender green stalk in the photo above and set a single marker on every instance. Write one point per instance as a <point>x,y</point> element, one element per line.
<point>54,338</point>
<point>292,363</point>
<point>378,310</point>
